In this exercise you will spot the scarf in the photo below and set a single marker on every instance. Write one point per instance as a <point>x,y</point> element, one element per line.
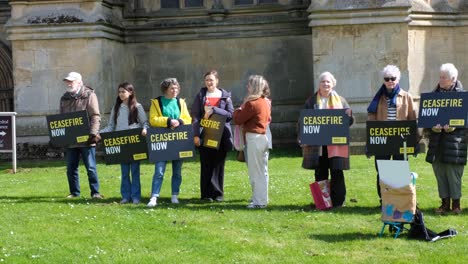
<point>334,102</point>
<point>383,91</point>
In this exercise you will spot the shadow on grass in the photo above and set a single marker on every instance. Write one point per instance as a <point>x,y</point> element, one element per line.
<point>344,237</point>
<point>163,203</point>
<point>57,199</point>
<point>197,205</point>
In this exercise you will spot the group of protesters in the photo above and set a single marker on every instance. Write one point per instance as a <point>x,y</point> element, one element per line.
<point>170,111</point>
<point>447,151</point>
<point>447,148</point>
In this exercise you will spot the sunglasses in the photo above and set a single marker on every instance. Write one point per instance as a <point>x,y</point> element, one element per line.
<point>387,79</point>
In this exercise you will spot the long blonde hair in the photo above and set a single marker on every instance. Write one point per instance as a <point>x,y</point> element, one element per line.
<point>257,84</point>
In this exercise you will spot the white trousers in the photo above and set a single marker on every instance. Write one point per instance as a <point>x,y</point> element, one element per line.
<point>257,162</point>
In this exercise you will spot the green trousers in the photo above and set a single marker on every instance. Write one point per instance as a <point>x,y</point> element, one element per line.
<point>449,179</point>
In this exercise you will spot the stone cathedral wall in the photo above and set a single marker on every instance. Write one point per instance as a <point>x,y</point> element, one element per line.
<point>290,42</point>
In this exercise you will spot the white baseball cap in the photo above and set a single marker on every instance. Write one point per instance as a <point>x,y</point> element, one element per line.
<point>73,76</point>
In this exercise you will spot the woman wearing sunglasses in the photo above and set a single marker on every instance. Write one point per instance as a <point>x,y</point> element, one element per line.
<point>390,103</point>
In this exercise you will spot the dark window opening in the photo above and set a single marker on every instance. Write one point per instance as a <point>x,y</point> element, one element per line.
<point>193,3</point>
<point>170,4</point>
<point>243,2</point>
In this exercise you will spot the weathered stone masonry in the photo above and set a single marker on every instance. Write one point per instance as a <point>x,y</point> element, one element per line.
<point>290,42</point>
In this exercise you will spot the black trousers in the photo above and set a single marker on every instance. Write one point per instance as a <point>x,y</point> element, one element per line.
<point>384,157</point>
<point>212,172</point>
<point>337,181</point>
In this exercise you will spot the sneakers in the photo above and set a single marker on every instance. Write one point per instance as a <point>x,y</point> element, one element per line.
<point>256,206</point>
<point>72,196</point>
<point>97,196</point>
<point>174,199</point>
<point>152,202</point>
<point>219,199</point>
<point>136,201</point>
<point>124,201</point>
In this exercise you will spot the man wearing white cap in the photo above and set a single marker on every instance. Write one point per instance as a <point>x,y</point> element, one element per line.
<point>79,97</point>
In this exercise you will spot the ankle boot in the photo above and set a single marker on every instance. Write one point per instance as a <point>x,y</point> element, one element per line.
<point>445,207</point>
<point>456,206</point>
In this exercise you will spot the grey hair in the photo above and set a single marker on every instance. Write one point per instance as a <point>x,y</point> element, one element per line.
<point>391,70</point>
<point>258,85</point>
<point>450,69</point>
<point>325,74</point>
<point>167,83</point>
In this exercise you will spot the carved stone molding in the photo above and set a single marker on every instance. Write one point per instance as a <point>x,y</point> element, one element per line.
<point>129,21</point>
<point>413,12</point>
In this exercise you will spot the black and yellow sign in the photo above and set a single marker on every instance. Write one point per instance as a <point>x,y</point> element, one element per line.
<point>324,127</point>
<point>449,108</point>
<point>124,146</point>
<point>68,128</point>
<point>213,130</point>
<point>387,137</point>
<point>166,144</point>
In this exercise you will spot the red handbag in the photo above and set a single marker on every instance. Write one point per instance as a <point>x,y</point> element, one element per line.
<point>321,194</point>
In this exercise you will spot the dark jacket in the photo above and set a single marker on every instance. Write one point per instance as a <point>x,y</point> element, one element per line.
<point>225,108</point>
<point>449,147</point>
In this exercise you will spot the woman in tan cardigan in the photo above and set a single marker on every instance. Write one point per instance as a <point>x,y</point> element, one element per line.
<point>390,103</point>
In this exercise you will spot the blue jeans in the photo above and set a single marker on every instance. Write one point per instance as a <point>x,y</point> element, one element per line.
<point>130,190</point>
<point>88,154</point>
<point>159,169</point>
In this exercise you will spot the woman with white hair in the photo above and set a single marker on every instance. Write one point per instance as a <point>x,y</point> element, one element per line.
<point>332,159</point>
<point>254,115</point>
<point>390,103</point>
<point>448,148</point>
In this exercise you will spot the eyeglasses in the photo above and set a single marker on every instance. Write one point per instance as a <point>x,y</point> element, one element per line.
<point>387,79</point>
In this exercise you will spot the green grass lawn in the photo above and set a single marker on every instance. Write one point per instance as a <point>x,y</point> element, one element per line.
<point>39,225</point>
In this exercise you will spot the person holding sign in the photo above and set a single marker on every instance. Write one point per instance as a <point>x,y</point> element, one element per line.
<point>332,159</point>
<point>168,111</point>
<point>126,114</point>
<point>448,148</point>
<point>390,103</point>
<point>254,116</point>
<point>79,97</point>
<point>208,101</point>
